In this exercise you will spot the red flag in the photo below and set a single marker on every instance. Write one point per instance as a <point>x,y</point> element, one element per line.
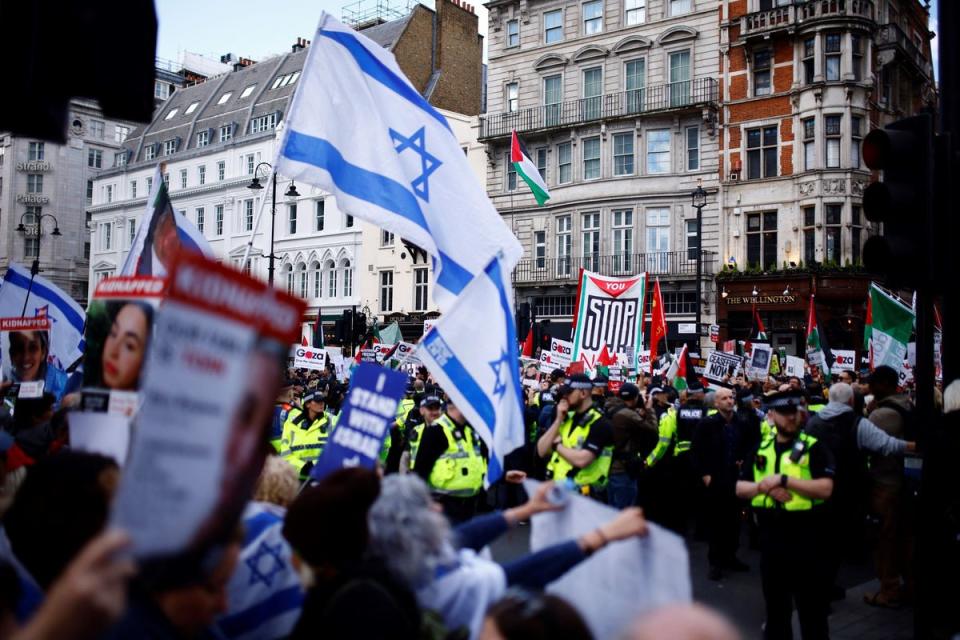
<point>605,359</point>
<point>528,345</point>
<point>303,341</point>
<point>658,323</point>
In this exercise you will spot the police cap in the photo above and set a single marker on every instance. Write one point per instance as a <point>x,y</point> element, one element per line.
<point>431,400</point>
<point>783,401</point>
<point>314,396</point>
<point>580,381</point>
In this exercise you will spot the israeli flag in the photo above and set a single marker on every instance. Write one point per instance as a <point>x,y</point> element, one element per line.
<point>358,129</point>
<point>480,370</point>
<point>264,593</point>
<point>67,318</point>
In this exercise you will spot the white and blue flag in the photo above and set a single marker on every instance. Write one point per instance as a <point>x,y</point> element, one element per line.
<point>67,318</point>
<point>264,593</point>
<point>358,129</point>
<point>481,376</point>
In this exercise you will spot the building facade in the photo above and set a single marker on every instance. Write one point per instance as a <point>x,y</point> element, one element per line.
<point>46,186</point>
<point>803,83</point>
<point>617,103</point>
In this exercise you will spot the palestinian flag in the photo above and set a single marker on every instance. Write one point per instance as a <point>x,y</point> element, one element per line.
<point>818,354</point>
<point>891,324</point>
<point>868,332</point>
<point>677,375</point>
<point>318,333</point>
<point>528,170</point>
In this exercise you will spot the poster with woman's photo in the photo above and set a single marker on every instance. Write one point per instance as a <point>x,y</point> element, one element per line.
<point>27,362</point>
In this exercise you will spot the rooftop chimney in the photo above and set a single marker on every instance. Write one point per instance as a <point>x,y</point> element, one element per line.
<point>302,43</point>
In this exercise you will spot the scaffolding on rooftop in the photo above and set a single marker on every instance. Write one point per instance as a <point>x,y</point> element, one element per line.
<point>367,13</point>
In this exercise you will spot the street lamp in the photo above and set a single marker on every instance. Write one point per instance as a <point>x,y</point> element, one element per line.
<point>291,193</point>
<point>35,228</point>
<point>699,199</point>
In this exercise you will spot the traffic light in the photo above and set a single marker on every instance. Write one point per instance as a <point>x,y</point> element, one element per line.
<point>343,327</point>
<point>903,200</point>
<point>359,327</point>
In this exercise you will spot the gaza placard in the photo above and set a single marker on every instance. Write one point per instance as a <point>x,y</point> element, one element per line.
<point>609,315</point>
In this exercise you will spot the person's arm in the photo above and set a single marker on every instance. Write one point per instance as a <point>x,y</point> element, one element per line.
<point>872,438</point>
<point>579,458</point>
<point>482,530</point>
<point>433,443</point>
<point>667,427</point>
<point>545,443</point>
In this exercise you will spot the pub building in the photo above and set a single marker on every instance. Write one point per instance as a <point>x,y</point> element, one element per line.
<point>783,302</point>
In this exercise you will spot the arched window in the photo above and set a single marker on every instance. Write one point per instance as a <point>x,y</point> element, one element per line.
<point>317,279</point>
<point>347,278</point>
<point>331,270</point>
<point>288,270</point>
<point>302,274</point>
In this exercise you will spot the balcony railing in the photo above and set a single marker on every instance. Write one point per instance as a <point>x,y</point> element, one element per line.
<point>663,97</point>
<point>665,263</point>
<point>762,22</point>
<point>891,35</point>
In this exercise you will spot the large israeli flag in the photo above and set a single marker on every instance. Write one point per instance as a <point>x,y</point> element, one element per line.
<point>358,129</point>
<point>479,370</point>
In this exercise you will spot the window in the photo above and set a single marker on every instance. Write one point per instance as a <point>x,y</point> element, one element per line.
<point>831,60</point>
<point>552,95</point>
<point>539,249</point>
<point>149,180</point>
<point>386,290</point>
<point>251,164</point>
<point>809,235</point>
<point>133,189</point>
<point>658,151</point>
<point>762,239</point>
<point>856,48</point>
<point>169,147</point>
<point>120,133</point>
<point>658,240</point>
<point>856,123</point>
<point>302,279</point>
<point>420,288</point>
<point>191,108</point>
<point>278,82</point>
<point>553,26</point>
<point>762,72</point>
<point>623,154</point>
<point>832,233</point>
<point>161,90</point>
<point>292,219</point>
<point>120,159</point>
<point>288,269</point>
<point>319,213</point>
<point>109,193</point>
<point>248,215</point>
<point>95,158</point>
<point>679,302</point>
<point>513,33</point>
<point>762,152</point>
<point>592,17</point>
<point>132,231</point>
<point>171,113</point>
<point>35,151</point>
<point>31,244</point>
<point>247,91</point>
<point>635,76</point>
<point>809,53</point>
<point>226,132</point>
<point>832,133</point>
<point>386,238</point>
<point>96,128</point>
<point>150,152</point>
<point>218,218</point>
<point>347,278</point>
<point>542,163</point>
<point>679,78</point>
<point>200,219</point>
<point>221,170</point>
<point>809,144</point>
<point>511,173</point>
<point>591,158</point>
<point>564,163</point>
<point>636,11</point>
<point>263,123</point>
<point>202,174</point>
<point>678,7</point>
<point>564,246</point>
<point>317,278</point>
<point>622,240</point>
<point>590,237</point>
<point>203,138</point>
<point>106,236</point>
<point>223,99</point>
<point>348,221</point>
<point>592,91</point>
<point>553,306</point>
<point>183,178</point>
<point>34,183</point>
<point>513,100</point>
<point>693,148</point>
<point>855,232</point>
<point>693,240</point>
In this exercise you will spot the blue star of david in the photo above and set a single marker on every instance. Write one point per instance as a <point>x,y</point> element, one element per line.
<point>500,386</point>
<point>265,571</point>
<point>428,163</point>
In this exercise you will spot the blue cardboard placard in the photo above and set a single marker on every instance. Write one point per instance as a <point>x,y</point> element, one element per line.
<point>365,420</point>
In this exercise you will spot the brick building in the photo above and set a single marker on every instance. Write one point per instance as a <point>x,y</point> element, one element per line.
<point>803,82</point>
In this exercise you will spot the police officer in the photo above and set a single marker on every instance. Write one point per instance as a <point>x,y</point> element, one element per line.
<point>305,433</point>
<point>579,443</point>
<point>787,482</point>
<point>452,459</point>
<point>281,411</point>
<point>431,408</point>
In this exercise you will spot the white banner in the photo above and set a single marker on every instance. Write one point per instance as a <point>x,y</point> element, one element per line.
<point>609,316</point>
<point>309,358</point>
<point>335,356</point>
<point>759,361</point>
<point>794,367</point>
<point>844,360</point>
<point>722,367</point>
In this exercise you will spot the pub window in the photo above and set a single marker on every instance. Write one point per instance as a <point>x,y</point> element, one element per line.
<point>762,239</point>
<point>762,72</point>
<point>832,134</point>
<point>856,229</point>
<point>831,58</point>
<point>809,144</point>
<point>809,235</point>
<point>809,54</point>
<point>762,152</point>
<point>856,123</point>
<point>832,229</point>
